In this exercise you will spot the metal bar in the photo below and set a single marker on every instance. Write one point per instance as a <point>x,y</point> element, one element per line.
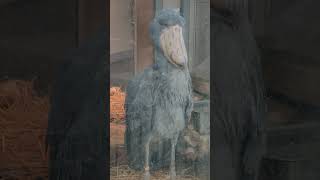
<point>158,5</point>
<point>185,12</point>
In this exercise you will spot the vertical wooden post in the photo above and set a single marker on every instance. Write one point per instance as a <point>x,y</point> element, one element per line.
<point>91,15</point>
<point>144,12</point>
<point>3,143</point>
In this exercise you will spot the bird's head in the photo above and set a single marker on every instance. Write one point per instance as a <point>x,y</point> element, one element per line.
<point>166,31</point>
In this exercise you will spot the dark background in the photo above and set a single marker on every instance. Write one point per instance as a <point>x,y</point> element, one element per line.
<point>35,34</point>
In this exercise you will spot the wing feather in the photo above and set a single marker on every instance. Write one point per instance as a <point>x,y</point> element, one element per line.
<point>139,102</point>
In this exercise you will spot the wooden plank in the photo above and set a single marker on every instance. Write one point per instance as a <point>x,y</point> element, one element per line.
<point>33,37</point>
<point>291,141</point>
<point>4,2</point>
<point>91,16</point>
<point>293,26</point>
<point>202,33</point>
<point>293,76</point>
<point>144,12</point>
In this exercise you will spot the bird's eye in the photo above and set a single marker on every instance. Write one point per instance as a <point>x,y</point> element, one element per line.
<point>167,22</point>
<point>164,22</point>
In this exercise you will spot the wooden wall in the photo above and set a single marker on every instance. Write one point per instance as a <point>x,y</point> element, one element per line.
<point>144,12</point>
<point>34,34</point>
<point>291,57</point>
<point>121,26</point>
<point>91,16</point>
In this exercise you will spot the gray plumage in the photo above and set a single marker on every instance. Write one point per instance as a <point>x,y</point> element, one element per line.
<point>77,126</point>
<point>238,99</point>
<point>159,101</point>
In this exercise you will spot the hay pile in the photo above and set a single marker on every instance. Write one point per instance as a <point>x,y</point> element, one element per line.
<point>23,123</point>
<point>117,98</point>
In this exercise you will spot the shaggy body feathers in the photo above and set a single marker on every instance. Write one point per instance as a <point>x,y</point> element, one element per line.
<point>76,135</point>
<point>238,99</point>
<point>158,102</point>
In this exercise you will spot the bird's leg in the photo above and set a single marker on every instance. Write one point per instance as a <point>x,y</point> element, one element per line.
<point>173,157</point>
<point>146,164</point>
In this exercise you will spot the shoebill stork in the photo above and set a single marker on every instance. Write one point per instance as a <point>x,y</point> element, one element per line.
<point>159,99</point>
<point>76,135</point>
<point>238,96</point>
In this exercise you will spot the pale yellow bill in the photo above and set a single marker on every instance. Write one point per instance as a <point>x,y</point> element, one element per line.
<point>173,47</point>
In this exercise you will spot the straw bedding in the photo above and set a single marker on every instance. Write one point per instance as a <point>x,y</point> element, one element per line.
<point>23,121</point>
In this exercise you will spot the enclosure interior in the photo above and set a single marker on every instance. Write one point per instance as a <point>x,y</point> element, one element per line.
<point>132,51</point>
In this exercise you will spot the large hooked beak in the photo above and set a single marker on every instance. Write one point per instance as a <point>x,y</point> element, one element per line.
<point>173,46</point>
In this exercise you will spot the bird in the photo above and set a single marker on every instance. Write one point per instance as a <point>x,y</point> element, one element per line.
<point>77,128</point>
<point>238,98</point>
<point>159,102</point>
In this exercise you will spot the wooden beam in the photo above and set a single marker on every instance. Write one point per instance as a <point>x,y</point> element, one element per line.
<point>293,76</point>
<point>4,2</point>
<point>144,13</point>
<point>91,16</point>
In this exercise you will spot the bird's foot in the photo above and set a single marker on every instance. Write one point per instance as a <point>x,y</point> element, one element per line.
<point>146,173</point>
<point>146,176</point>
<point>173,175</point>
